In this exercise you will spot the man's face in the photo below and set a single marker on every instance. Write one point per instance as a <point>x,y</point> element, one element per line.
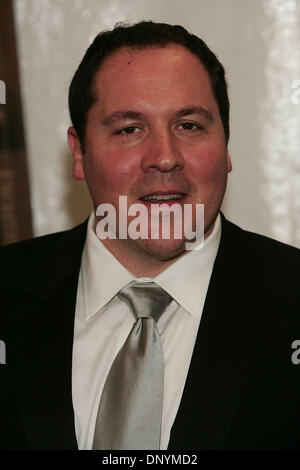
<point>155,128</point>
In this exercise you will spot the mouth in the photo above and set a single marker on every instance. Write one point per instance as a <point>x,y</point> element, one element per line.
<point>163,198</point>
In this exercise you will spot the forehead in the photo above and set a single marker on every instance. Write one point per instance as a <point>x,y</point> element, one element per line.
<point>152,74</point>
<point>171,53</point>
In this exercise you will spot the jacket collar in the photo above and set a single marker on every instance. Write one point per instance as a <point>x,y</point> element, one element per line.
<point>42,346</point>
<point>236,319</point>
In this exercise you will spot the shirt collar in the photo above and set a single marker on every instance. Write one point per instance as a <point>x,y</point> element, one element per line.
<point>186,280</point>
<point>102,274</point>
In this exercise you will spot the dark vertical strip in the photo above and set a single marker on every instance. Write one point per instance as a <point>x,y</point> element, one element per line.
<point>15,212</point>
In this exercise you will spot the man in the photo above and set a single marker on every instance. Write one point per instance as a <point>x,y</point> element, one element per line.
<point>150,118</point>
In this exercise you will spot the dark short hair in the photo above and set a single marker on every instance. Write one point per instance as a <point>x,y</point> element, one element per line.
<point>140,35</point>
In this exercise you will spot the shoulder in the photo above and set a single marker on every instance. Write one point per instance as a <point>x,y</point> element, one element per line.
<point>261,241</point>
<point>19,259</point>
<point>33,246</point>
<point>267,245</point>
<point>277,262</point>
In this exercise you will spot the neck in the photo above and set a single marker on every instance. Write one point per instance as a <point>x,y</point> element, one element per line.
<point>139,263</point>
<point>143,261</point>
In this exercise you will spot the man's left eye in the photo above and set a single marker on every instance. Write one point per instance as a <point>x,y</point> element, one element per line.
<point>189,126</point>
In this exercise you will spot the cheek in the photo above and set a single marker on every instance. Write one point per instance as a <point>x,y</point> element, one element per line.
<point>209,166</point>
<point>108,170</point>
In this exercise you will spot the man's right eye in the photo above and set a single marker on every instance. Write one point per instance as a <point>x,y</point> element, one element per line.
<point>127,130</point>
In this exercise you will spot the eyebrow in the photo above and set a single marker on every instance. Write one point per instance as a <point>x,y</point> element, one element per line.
<point>195,110</point>
<point>123,115</point>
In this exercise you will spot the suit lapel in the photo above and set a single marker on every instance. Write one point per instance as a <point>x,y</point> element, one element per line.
<point>233,327</point>
<point>43,379</point>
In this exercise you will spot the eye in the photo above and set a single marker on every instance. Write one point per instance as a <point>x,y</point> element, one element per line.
<point>128,130</point>
<point>190,126</point>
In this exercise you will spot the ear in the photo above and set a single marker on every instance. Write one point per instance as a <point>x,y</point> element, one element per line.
<point>75,147</point>
<point>229,164</point>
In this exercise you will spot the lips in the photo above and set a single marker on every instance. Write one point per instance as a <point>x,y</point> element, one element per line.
<point>166,199</point>
<point>162,197</point>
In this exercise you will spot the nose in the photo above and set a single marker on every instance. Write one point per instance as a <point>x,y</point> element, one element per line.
<point>163,152</point>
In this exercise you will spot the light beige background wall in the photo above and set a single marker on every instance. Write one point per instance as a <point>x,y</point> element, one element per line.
<point>259,43</point>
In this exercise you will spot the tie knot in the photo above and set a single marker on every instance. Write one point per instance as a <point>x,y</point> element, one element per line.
<point>145,299</point>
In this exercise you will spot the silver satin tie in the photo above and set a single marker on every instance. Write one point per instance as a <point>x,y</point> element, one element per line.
<point>130,410</point>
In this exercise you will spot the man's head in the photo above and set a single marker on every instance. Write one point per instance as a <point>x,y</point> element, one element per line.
<point>145,34</point>
<point>153,126</point>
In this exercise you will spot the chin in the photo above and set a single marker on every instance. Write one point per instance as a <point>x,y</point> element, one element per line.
<point>163,250</point>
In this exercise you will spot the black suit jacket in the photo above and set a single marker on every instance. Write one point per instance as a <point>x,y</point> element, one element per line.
<point>242,389</point>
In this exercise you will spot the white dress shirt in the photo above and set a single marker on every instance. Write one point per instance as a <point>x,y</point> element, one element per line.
<point>103,322</point>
